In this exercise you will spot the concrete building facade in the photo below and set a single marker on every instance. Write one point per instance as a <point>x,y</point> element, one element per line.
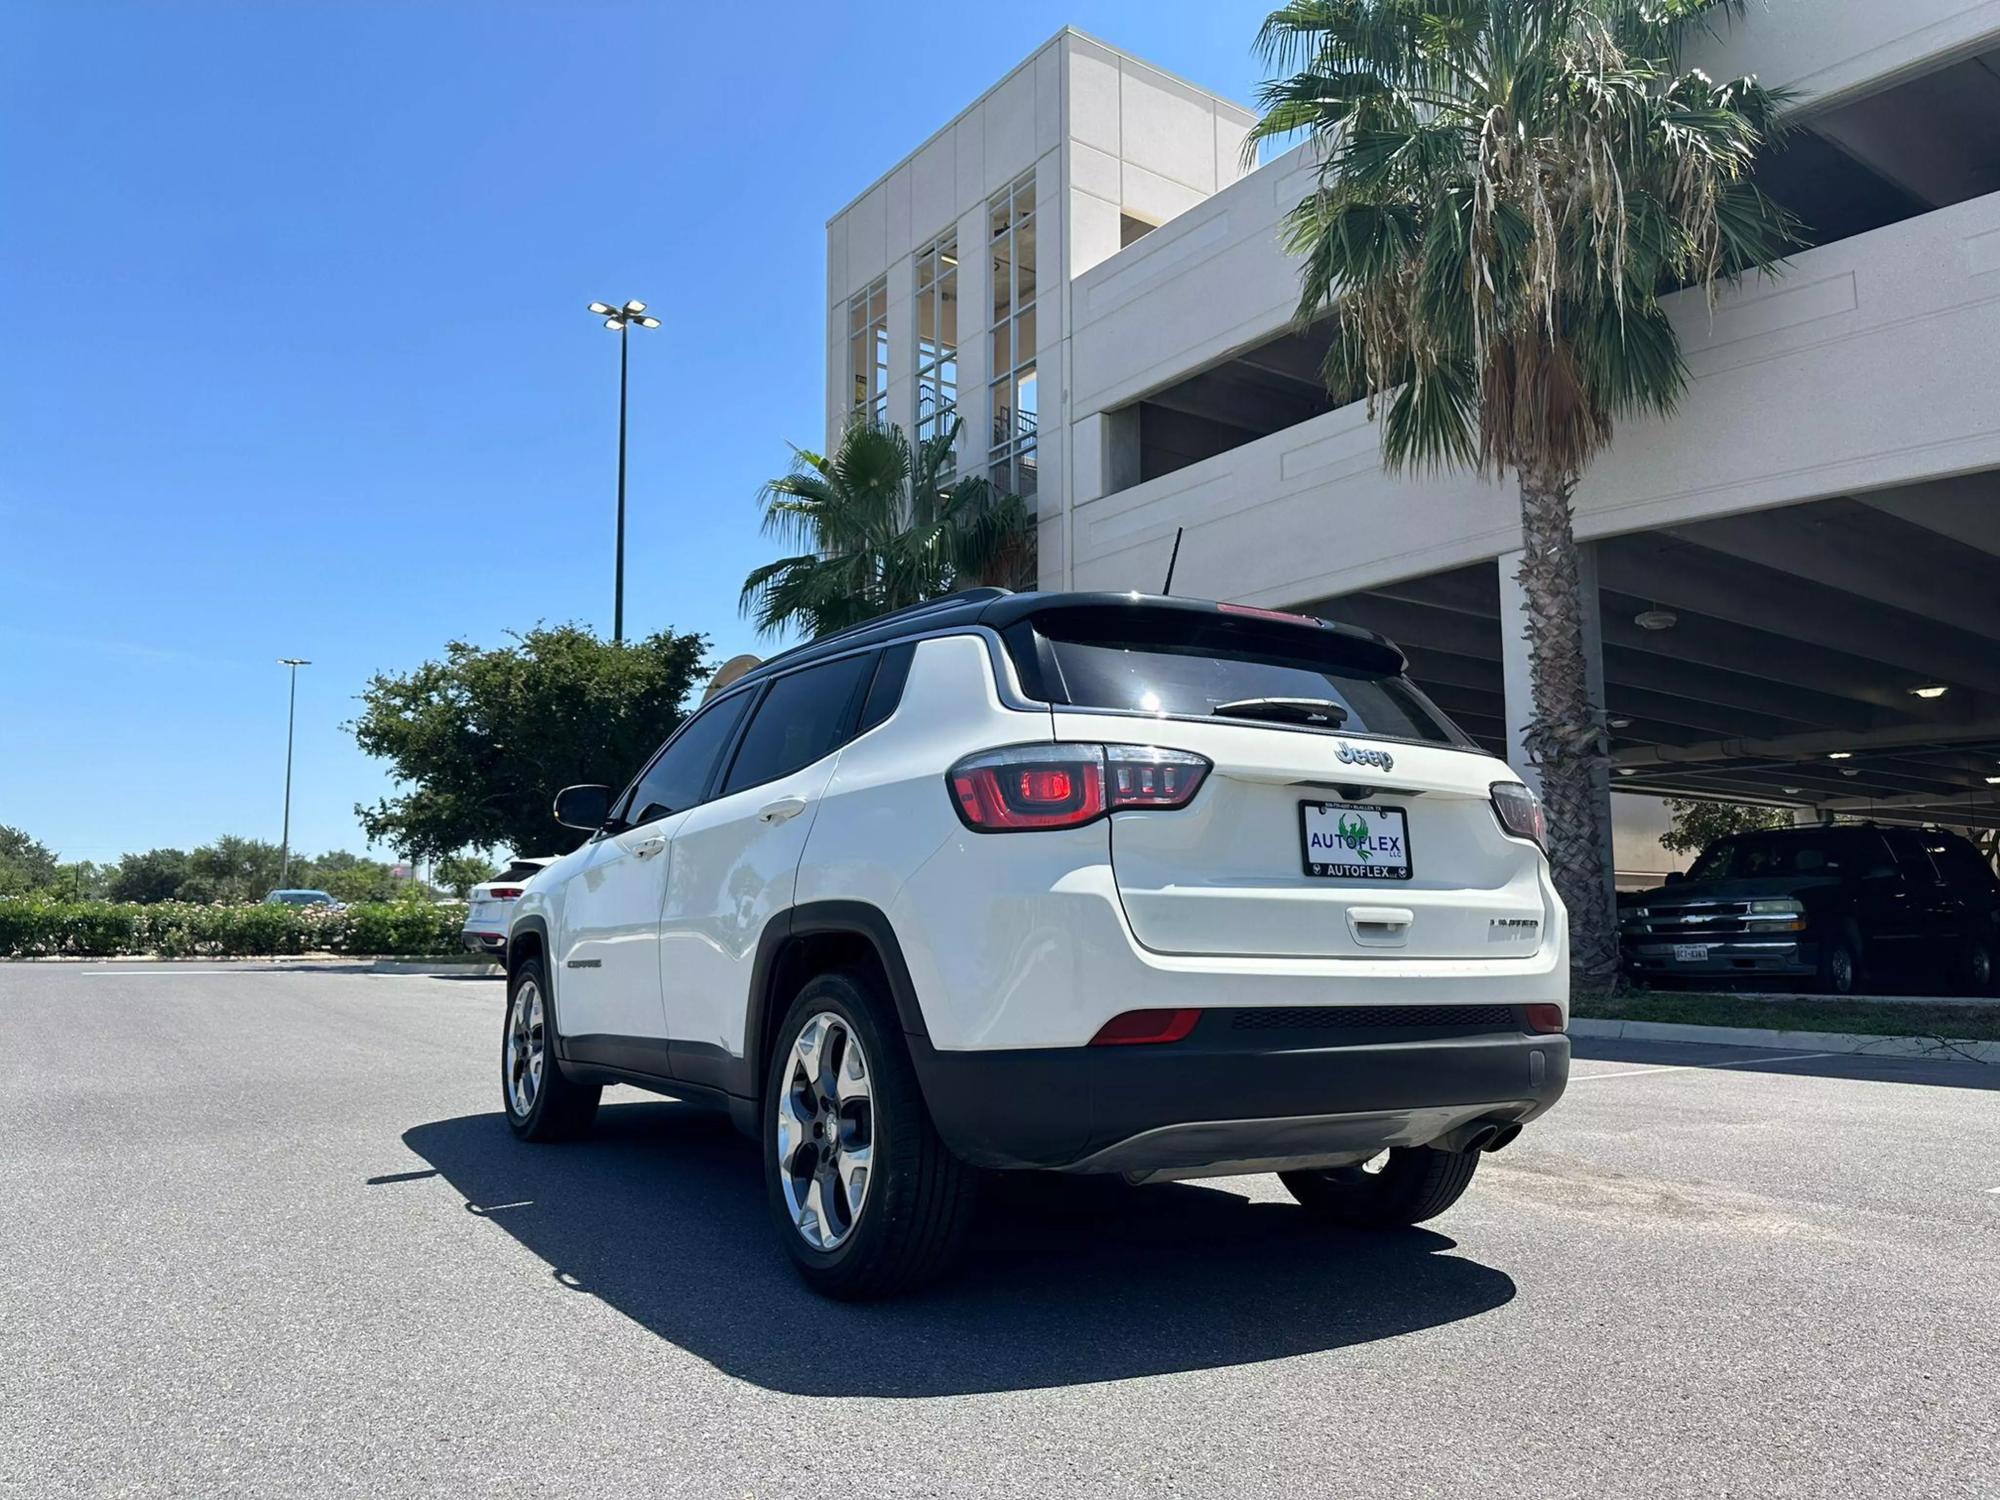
<point>1818,526</point>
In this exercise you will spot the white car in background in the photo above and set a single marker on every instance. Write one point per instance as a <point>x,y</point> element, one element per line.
<point>492,906</point>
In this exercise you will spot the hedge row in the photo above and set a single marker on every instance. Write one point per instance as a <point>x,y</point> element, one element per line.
<point>37,928</point>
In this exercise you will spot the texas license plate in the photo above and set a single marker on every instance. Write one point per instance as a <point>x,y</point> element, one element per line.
<point>1690,953</point>
<point>1349,841</point>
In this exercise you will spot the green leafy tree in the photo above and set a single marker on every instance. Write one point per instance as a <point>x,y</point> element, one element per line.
<point>880,525</point>
<point>232,869</point>
<point>147,878</point>
<point>1506,188</point>
<point>459,873</point>
<point>348,877</point>
<point>481,741</point>
<point>26,864</point>
<point>1692,826</point>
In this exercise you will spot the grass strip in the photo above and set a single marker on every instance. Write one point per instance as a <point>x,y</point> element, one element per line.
<point>1973,1023</point>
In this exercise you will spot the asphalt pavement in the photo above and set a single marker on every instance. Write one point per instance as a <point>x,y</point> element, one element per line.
<point>266,1233</point>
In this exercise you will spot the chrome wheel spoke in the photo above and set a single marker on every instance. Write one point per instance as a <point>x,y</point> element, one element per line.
<point>853,1165</point>
<point>824,1126</point>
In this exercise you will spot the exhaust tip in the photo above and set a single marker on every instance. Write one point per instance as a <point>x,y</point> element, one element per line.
<point>1502,1137</point>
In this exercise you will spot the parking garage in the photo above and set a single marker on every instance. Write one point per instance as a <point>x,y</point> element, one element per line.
<point>1840,657</point>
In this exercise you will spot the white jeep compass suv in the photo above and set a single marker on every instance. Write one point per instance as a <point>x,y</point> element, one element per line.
<point>1083,882</point>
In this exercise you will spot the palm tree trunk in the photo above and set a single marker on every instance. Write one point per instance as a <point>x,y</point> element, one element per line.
<point>1565,741</point>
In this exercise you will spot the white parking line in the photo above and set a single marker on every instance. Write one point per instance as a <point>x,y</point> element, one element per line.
<point>1746,1062</point>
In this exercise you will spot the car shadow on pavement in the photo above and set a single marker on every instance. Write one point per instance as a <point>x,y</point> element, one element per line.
<point>660,1213</point>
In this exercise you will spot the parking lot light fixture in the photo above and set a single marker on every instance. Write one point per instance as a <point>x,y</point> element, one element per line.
<point>620,321</point>
<point>1929,690</point>
<point>1840,755</point>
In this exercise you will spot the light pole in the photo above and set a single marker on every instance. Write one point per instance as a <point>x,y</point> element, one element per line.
<point>291,719</point>
<point>622,318</point>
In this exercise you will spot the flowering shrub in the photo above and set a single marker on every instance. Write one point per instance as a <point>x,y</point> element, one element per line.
<point>34,927</point>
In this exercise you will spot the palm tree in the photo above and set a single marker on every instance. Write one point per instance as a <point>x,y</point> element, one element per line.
<point>883,524</point>
<point>1506,190</point>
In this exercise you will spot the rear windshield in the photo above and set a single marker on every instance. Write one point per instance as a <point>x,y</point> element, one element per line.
<point>1195,665</point>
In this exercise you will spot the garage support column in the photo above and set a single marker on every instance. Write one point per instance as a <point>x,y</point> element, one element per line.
<point>1517,678</point>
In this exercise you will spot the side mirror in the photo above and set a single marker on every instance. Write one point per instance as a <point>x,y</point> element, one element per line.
<point>584,807</point>
<point>1675,877</point>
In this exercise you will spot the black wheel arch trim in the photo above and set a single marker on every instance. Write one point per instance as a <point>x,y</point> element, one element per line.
<point>812,918</point>
<point>539,926</point>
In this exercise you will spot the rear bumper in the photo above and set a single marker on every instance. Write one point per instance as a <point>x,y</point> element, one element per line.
<point>483,942</point>
<point>1229,1098</point>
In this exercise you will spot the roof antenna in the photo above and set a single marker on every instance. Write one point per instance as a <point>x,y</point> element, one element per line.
<point>1168,586</point>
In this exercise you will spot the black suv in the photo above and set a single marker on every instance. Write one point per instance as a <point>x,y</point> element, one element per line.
<point>1838,906</point>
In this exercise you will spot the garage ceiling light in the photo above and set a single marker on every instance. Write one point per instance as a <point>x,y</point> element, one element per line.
<point>1789,791</point>
<point>1993,781</point>
<point>1656,619</point>
<point>1929,690</point>
<point>1619,723</point>
<point>1630,771</point>
<point>1840,755</point>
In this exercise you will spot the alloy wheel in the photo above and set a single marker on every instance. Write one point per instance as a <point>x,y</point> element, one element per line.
<point>526,1040</point>
<point>825,1124</point>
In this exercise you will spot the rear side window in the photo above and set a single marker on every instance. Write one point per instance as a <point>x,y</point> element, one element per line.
<point>676,781</point>
<point>1198,665</point>
<point>804,716</point>
<point>1959,862</point>
<point>886,691</point>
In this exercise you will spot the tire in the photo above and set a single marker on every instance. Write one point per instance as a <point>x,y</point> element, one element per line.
<point>540,1103</point>
<point>1839,972</point>
<point>1975,967</point>
<point>1411,1185</point>
<point>839,1074</point>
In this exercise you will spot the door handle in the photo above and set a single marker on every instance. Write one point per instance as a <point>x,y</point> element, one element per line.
<point>783,808</point>
<point>648,847</point>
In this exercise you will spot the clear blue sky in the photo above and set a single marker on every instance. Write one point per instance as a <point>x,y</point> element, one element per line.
<point>294,359</point>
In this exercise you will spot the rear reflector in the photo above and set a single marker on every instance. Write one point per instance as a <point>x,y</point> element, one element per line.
<point>1547,1018</point>
<point>1136,1027</point>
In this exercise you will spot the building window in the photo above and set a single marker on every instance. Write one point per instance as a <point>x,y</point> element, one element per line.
<point>937,336</point>
<point>868,354</point>
<point>1011,232</point>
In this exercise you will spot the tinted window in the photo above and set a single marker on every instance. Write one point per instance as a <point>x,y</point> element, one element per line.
<point>676,781</point>
<point>1749,856</point>
<point>1911,854</point>
<point>1959,862</point>
<point>886,691</point>
<point>803,717</point>
<point>1193,664</point>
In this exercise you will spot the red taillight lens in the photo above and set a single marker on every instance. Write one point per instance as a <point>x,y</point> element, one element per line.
<point>505,892</point>
<point>1545,1018</point>
<point>1137,1027</point>
<point>1066,785</point>
<point>1520,812</point>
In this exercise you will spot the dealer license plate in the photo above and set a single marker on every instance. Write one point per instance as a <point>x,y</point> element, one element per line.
<point>1690,953</point>
<point>1352,841</point>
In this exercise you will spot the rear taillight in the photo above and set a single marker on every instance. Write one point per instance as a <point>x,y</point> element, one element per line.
<point>1065,785</point>
<point>1520,813</point>
<point>505,892</point>
<point>1139,1027</point>
<point>1545,1018</point>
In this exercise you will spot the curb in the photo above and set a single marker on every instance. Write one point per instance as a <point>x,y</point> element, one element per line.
<point>301,963</point>
<point>1933,1048</point>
